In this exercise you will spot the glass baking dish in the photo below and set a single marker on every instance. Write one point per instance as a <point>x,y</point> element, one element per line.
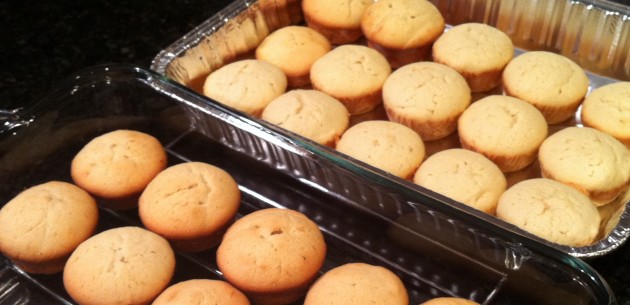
<point>428,243</point>
<point>236,31</point>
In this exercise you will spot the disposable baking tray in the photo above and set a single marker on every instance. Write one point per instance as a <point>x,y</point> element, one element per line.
<point>437,249</point>
<point>236,31</point>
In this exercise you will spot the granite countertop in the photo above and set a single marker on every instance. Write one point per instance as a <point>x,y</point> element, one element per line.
<point>47,41</point>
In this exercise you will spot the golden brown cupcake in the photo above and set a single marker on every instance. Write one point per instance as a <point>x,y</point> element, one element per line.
<point>465,176</point>
<point>42,225</point>
<point>551,82</point>
<point>427,97</point>
<point>607,108</point>
<point>402,30</point>
<point>125,265</point>
<point>550,210</point>
<point>358,283</point>
<point>390,146</point>
<point>354,75</point>
<point>190,204</point>
<point>294,49</point>
<point>478,51</point>
<point>272,255</point>
<point>246,85</point>
<point>201,292</point>
<point>310,113</point>
<point>505,129</point>
<point>337,20</point>
<point>116,167</point>
<point>587,159</point>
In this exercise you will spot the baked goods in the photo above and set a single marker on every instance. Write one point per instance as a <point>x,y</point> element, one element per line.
<point>42,225</point>
<point>272,255</point>
<point>246,85</point>
<point>449,301</point>
<point>353,74</point>
<point>116,167</point>
<point>465,176</point>
<point>479,52</point>
<point>390,146</point>
<point>587,159</point>
<point>358,283</point>
<point>402,30</point>
<point>553,83</point>
<point>201,292</point>
<point>427,97</point>
<point>607,108</point>
<point>125,265</point>
<point>294,49</point>
<point>505,129</point>
<point>550,210</point>
<point>309,113</point>
<point>337,20</point>
<point>190,204</point>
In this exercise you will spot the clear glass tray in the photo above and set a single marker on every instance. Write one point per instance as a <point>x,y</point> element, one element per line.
<point>436,248</point>
<point>236,31</point>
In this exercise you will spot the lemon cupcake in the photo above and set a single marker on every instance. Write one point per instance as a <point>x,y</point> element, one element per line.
<point>337,20</point>
<point>607,108</point>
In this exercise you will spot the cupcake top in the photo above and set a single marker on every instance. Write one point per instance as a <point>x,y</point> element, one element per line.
<point>465,176</point>
<point>428,93</point>
<point>449,301</point>
<point>45,223</point>
<point>309,113</point>
<point>390,146</point>
<point>587,159</point>
<point>503,129</point>
<point>607,108</point>
<point>118,164</point>
<point>246,85</point>
<point>402,24</point>
<point>553,83</point>
<point>124,265</point>
<point>358,283</point>
<point>293,49</point>
<point>338,20</point>
<point>475,50</point>
<point>189,200</point>
<point>550,210</point>
<point>350,72</point>
<point>201,292</point>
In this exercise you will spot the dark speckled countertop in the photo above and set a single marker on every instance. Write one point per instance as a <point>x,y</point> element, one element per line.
<point>44,41</point>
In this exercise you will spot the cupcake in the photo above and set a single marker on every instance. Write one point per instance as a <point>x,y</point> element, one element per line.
<point>358,283</point>
<point>116,167</point>
<point>465,176</point>
<point>587,159</point>
<point>294,49</point>
<point>338,20</point>
<point>505,129</point>
<point>272,255</point>
<point>390,146</point>
<point>190,204</point>
<point>427,97</point>
<point>477,51</point>
<point>246,85</point>
<point>201,292</point>
<point>607,108</point>
<point>125,265</point>
<point>551,82</point>
<point>42,225</point>
<point>310,113</point>
<point>402,30</point>
<point>354,75</point>
<point>550,210</point>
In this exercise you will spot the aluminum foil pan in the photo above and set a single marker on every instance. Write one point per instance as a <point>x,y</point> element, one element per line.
<point>594,34</point>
